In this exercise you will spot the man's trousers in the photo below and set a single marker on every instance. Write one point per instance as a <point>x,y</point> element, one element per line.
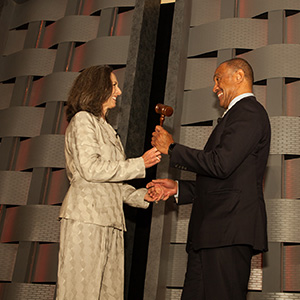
<point>218,273</point>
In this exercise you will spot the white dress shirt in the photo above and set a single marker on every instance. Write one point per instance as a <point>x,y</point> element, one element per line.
<point>236,100</point>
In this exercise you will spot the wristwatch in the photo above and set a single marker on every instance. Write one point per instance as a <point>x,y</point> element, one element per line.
<point>171,147</point>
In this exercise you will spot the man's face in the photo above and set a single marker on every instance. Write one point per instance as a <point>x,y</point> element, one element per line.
<point>225,85</point>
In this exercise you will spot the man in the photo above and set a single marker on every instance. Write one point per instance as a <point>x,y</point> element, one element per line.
<point>228,219</point>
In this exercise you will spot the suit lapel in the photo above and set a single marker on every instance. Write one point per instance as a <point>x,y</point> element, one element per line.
<point>214,138</point>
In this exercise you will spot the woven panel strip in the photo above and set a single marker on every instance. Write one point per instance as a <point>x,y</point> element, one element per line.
<point>28,291</point>
<point>228,33</point>
<point>15,41</point>
<point>177,261</point>
<point>8,253</point>
<point>256,276</point>
<point>179,228</point>
<point>35,62</point>
<point>52,88</point>
<point>173,294</point>
<point>36,10</point>
<point>249,9</point>
<point>292,99</point>
<point>283,220</point>
<point>6,91</point>
<point>46,263</point>
<point>111,50</point>
<point>273,61</point>
<point>292,26</point>
<point>21,121</point>
<point>291,268</point>
<point>260,93</point>
<point>272,296</point>
<point>291,178</point>
<point>41,151</point>
<point>285,135</point>
<point>195,136</point>
<point>36,223</point>
<point>196,73</point>
<point>58,187</point>
<point>205,11</point>
<point>200,105</point>
<point>71,29</point>
<point>102,4</point>
<point>14,187</point>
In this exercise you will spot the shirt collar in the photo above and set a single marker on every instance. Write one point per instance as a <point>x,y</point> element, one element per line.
<point>236,100</point>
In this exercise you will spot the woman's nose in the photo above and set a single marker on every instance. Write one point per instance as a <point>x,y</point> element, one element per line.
<point>119,91</point>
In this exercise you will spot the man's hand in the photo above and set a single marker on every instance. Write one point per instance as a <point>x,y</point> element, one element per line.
<point>162,189</point>
<point>155,193</point>
<point>161,139</point>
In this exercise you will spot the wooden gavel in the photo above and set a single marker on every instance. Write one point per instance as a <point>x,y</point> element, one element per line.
<point>163,110</point>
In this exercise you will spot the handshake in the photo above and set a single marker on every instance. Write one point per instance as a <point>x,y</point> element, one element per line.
<point>161,189</point>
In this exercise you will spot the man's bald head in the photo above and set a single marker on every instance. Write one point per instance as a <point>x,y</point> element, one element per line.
<point>240,63</point>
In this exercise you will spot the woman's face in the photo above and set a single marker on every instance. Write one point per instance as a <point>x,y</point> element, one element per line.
<point>111,102</point>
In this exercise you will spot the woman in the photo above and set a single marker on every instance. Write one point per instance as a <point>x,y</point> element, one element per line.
<point>91,255</point>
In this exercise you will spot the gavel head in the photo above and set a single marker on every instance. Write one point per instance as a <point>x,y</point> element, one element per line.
<point>163,110</point>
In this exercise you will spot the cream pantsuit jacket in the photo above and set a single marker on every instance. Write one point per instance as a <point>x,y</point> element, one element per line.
<point>97,168</point>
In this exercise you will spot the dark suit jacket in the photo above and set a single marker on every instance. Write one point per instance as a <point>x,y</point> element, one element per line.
<point>228,203</point>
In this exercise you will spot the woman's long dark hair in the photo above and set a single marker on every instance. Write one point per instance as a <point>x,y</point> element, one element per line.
<point>90,90</point>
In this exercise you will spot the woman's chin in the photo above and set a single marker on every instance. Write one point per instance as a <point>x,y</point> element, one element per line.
<point>112,106</point>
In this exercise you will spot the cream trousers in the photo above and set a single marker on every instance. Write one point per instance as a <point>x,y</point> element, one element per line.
<point>91,262</point>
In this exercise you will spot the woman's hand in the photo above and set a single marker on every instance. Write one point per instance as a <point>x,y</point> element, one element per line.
<point>151,157</point>
<point>148,198</point>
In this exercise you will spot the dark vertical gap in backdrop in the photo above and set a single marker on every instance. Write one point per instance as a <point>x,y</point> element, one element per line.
<point>143,220</point>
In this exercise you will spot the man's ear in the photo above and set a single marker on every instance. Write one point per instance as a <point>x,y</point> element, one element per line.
<point>240,75</point>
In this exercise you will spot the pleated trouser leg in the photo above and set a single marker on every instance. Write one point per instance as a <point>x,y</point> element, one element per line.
<point>91,262</point>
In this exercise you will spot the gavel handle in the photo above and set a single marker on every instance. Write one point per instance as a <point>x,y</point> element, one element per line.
<point>161,120</point>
